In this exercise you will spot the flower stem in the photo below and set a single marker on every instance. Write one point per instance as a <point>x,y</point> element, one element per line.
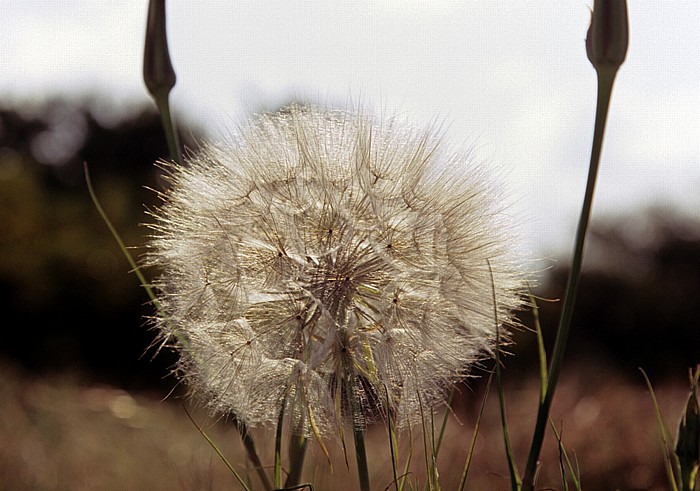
<point>358,433</point>
<point>278,450</point>
<point>252,452</point>
<point>163,104</point>
<point>297,453</point>
<point>298,438</point>
<point>606,78</point>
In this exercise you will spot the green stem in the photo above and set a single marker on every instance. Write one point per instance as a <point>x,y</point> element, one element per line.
<point>162,100</point>
<point>249,445</point>
<point>606,78</point>
<point>297,453</point>
<point>297,446</point>
<point>278,450</point>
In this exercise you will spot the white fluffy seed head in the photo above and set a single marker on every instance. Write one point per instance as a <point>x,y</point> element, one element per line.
<point>324,260</point>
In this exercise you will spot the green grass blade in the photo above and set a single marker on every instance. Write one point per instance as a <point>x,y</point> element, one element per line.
<point>409,457</point>
<point>444,423</point>
<point>393,447</point>
<point>470,454</point>
<point>541,351</point>
<point>125,251</point>
<point>664,436</point>
<point>427,450</point>
<point>512,468</point>
<point>218,452</point>
<point>565,463</point>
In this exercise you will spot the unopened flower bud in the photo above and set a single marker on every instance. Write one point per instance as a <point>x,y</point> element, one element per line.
<point>158,72</point>
<point>608,34</point>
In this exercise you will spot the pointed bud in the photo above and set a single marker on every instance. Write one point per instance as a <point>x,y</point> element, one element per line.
<point>608,34</point>
<point>688,444</point>
<point>158,72</point>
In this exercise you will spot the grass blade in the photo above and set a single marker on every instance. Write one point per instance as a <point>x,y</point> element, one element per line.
<point>444,423</point>
<point>218,452</point>
<point>428,449</point>
<point>470,454</point>
<point>125,251</point>
<point>393,447</point>
<point>664,436</point>
<point>565,463</point>
<point>512,468</point>
<point>541,351</point>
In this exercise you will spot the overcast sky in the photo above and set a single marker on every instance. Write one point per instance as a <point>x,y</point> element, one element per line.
<point>509,77</point>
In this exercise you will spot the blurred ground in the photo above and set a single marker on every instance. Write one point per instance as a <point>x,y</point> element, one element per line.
<point>61,433</point>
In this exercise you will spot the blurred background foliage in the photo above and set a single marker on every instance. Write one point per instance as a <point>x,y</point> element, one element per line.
<point>69,302</point>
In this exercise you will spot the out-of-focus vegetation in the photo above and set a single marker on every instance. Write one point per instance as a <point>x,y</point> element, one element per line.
<point>639,299</point>
<point>67,298</point>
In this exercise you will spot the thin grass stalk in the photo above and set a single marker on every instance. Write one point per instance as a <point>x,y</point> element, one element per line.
<point>665,436</point>
<point>426,451</point>
<point>541,351</point>
<point>565,463</point>
<point>436,445</point>
<point>432,455</point>
<point>470,454</point>
<point>605,85</point>
<point>512,468</point>
<point>444,422</point>
<point>125,251</point>
<point>407,466</point>
<point>218,452</point>
<point>392,440</point>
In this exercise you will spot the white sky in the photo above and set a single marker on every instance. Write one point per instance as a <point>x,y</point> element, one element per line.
<point>510,77</point>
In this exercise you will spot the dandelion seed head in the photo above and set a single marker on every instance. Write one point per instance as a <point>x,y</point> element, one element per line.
<point>324,255</point>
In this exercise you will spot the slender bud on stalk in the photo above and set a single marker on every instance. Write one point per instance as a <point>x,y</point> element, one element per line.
<point>323,260</point>
<point>158,72</point>
<point>608,34</point>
